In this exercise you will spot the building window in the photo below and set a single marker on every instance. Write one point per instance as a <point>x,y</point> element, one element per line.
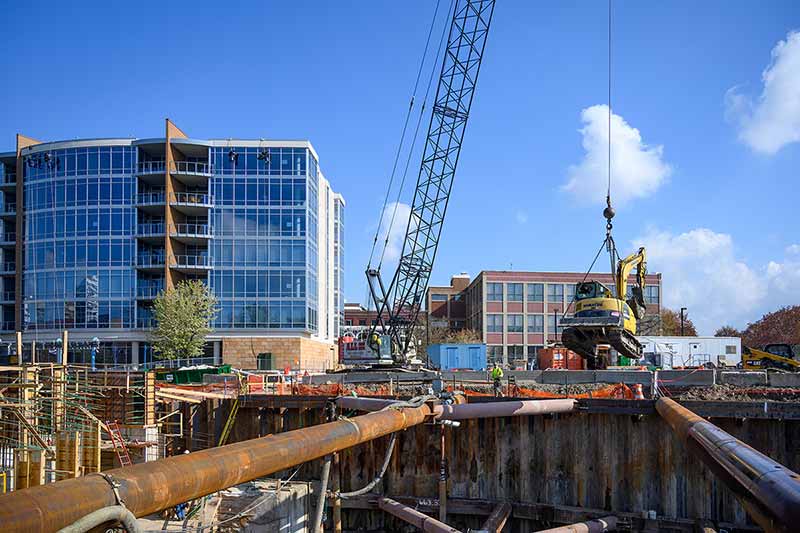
<point>570,291</point>
<point>533,352</point>
<point>651,294</point>
<point>348,322</point>
<point>535,292</point>
<point>535,323</point>
<point>494,323</point>
<point>264,361</point>
<point>730,349</point>
<point>437,297</point>
<point>457,297</point>
<point>516,351</point>
<point>494,353</point>
<point>555,292</point>
<point>515,323</point>
<point>494,292</point>
<point>362,322</point>
<point>515,292</point>
<point>551,323</point>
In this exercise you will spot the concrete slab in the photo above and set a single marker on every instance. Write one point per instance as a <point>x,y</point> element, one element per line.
<point>686,378</point>
<point>776,379</point>
<point>742,379</point>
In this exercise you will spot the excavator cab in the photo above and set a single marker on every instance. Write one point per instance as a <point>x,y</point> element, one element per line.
<point>605,317</point>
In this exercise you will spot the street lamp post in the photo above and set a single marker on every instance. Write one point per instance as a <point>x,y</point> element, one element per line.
<point>683,312</point>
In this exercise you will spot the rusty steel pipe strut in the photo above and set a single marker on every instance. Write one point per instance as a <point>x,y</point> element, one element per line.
<point>149,487</point>
<point>500,409</point>
<point>598,525</point>
<point>414,517</point>
<point>363,404</point>
<point>769,491</point>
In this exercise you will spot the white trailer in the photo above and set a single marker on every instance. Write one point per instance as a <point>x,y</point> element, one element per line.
<point>671,352</point>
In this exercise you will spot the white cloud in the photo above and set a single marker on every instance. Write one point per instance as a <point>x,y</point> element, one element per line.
<point>793,249</point>
<point>521,217</point>
<point>637,170</point>
<point>394,221</point>
<point>773,120</point>
<point>702,272</point>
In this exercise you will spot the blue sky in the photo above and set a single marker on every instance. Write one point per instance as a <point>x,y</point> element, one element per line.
<point>711,178</point>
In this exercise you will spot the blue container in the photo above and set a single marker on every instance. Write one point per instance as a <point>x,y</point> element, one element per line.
<point>457,356</point>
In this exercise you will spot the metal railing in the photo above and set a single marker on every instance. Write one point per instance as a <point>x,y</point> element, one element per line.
<point>149,292</point>
<point>202,261</point>
<point>204,230</point>
<point>146,260</point>
<point>8,325</point>
<point>192,198</point>
<point>146,323</point>
<point>154,228</point>
<point>9,267</point>
<point>9,296</point>
<point>9,178</point>
<point>191,167</point>
<point>150,198</point>
<point>10,237</point>
<point>10,207</point>
<point>151,167</point>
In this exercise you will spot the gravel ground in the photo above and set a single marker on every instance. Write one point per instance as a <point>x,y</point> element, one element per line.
<point>740,394</point>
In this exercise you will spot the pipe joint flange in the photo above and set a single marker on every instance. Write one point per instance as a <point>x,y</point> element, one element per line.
<point>115,485</point>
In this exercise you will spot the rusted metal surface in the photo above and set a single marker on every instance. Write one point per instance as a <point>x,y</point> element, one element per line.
<point>599,525</point>
<point>504,408</point>
<point>495,522</point>
<point>363,404</point>
<point>150,487</point>
<point>769,490</point>
<point>415,518</point>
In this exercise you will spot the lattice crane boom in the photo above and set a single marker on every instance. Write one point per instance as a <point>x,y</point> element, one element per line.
<point>399,304</point>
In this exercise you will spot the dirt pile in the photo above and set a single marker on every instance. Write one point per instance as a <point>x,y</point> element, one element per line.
<point>732,393</point>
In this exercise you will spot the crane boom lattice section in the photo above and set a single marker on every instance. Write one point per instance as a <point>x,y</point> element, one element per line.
<point>456,87</point>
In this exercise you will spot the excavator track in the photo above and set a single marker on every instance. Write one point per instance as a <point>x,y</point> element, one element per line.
<point>584,341</point>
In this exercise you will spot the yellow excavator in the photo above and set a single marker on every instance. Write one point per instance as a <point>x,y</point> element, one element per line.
<point>606,317</point>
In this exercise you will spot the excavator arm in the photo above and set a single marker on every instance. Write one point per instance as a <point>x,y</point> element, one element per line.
<point>637,259</point>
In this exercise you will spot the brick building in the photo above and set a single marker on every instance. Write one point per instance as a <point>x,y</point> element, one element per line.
<point>517,313</point>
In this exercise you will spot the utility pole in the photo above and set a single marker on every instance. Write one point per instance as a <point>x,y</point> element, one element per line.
<point>683,311</point>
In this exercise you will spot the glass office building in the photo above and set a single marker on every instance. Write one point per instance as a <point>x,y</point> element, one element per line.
<point>106,224</point>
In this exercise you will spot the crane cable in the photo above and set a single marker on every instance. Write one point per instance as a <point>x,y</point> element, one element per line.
<point>402,137</point>
<point>414,140</point>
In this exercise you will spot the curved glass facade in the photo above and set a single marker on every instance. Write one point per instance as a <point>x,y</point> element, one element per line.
<point>80,224</point>
<point>265,266</point>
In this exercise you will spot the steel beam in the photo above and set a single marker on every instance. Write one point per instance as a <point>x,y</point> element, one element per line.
<point>495,522</point>
<point>769,491</point>
<point>149,487</point>
<point>413,517</point>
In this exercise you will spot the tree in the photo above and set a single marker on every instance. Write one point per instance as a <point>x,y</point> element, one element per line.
<point>441,335</point>
<point>781,326</point>
<point>183,316</point>
<point>727,331</point>
<point>671,324</point>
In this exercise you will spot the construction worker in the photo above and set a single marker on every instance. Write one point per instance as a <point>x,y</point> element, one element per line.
<point>497,376</point>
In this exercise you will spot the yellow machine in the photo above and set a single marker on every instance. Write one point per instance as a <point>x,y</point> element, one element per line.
<point>603,317</point>
<point>778,356</point>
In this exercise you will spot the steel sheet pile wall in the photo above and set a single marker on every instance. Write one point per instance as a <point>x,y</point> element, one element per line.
<point>603,461</point>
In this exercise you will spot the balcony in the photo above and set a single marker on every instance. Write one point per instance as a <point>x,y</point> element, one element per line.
<point>152,172</point>
<point>191,173</point>
<point>195,264</point>
<point>151,202</point>
<point>9,297</point>
<point>8,325</point>
<point>8,268</point>
<point>192,203</point>
<point>145,323</point>
<point>9,239</point>
<point>9,210</point>
<point>150,262</point>
<point>150,231</point>
<point>8,181</point>
<point>191,233</point>
<point>148,292</point>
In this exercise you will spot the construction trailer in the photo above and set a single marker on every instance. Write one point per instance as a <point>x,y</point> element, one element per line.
<point>674,352</point>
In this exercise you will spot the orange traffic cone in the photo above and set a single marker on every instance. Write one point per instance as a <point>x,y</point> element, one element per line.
<point>637,392</point>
